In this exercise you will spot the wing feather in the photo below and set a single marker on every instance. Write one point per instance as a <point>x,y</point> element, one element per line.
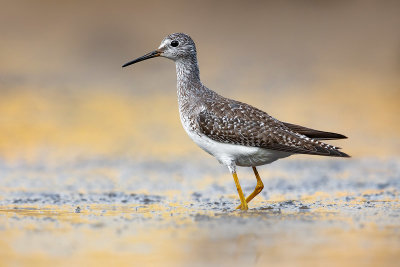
<point>238,123</point>
<point>315,134</point>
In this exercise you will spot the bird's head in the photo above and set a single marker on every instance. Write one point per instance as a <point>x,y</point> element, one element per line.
<point>176,46</point>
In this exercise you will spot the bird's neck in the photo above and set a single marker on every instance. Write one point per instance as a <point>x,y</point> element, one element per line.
<point>187,74</point>
<point>191,91</point>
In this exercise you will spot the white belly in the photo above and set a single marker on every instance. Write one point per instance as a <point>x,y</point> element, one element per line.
<point>239,155</point>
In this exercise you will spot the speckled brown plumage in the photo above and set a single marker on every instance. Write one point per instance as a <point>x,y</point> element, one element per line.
<point>229,121</point>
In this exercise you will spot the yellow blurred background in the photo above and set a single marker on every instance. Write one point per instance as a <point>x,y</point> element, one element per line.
<point>330,65</point>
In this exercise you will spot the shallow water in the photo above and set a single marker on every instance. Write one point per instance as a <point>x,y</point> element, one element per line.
<point>125,211</point>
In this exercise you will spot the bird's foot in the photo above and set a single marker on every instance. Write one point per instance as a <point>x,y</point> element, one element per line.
<point>243,207</point>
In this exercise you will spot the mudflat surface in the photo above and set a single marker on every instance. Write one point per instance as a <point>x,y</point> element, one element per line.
<point>124,211</point>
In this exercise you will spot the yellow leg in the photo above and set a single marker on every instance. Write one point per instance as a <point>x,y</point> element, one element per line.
<point>257,190</point>
<point>243,206</point>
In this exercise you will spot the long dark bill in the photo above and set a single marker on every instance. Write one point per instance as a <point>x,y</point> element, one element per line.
<point>155,53</point>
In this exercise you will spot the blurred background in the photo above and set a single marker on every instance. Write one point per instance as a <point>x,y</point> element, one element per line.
<point>331,65</point>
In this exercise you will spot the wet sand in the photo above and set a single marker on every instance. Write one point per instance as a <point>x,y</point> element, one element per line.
<point>118,211</point>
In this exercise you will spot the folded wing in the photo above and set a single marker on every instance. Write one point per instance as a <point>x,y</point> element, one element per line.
<point>315,134</point>
<point>237,123</point>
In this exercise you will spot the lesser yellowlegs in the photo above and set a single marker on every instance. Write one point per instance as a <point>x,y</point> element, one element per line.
<point>236,133</point>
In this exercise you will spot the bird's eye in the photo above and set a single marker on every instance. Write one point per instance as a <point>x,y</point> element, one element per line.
<point>174,43</point>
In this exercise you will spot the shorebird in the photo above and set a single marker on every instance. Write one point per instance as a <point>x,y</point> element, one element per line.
<point>235,133</point>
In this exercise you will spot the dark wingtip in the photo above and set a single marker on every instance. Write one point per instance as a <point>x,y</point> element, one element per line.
<point>326,136</point>
<point>331,152</point>
<point>315,134</point>
<point>340,136</point>
<point>340,154</point>
<point>344,155</point>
